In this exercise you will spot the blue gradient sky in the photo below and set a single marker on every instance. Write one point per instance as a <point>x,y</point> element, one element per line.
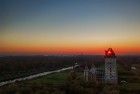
<point>69,26</point>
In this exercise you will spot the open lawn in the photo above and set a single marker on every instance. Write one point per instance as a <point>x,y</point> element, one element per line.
<point>54,78</point>
<point>48,84</point>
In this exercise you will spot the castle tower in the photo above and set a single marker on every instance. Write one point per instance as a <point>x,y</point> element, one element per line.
<point>86,73</point>
<point>92,72</point>
<point>110,67</point>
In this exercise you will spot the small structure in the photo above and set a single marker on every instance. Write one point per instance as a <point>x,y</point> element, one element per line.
<point>133,68</point>
<point>108,74</point>
<point>86,73</point>
<point>92,73</point>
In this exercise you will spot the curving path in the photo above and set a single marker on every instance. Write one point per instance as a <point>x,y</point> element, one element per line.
<point>35,76</point>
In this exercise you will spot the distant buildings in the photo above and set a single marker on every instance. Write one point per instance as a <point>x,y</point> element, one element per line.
<point>133,68</point>
<point>105,74</point>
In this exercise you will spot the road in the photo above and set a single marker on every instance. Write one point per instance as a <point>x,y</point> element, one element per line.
<point>35,76</point>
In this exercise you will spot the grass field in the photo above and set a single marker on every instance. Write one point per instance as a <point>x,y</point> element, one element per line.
<point>48,84</point>
<point>54,78</point>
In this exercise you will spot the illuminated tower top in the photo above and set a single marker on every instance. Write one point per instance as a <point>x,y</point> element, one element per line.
<point>110,67</point>
<point>109,53</point>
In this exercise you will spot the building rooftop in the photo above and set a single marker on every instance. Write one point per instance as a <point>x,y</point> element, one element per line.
<point>110,53</point>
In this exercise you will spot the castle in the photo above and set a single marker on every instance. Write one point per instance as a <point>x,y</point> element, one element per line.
<point>108,74</point>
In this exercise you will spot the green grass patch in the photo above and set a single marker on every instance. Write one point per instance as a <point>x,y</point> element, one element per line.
<point>54,78</point>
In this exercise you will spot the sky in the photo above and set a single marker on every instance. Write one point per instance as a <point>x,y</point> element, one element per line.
<point>69,26</point>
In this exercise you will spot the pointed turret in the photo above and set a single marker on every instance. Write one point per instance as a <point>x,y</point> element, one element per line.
<point>92,72</point>
<point>86,73</point>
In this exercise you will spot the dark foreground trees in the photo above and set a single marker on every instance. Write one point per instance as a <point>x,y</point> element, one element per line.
<point>77,85</point>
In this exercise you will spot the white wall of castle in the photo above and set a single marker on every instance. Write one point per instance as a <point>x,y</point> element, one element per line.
<point>110,75</point>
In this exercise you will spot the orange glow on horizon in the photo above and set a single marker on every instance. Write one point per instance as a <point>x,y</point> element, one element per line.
<point>67,50</point>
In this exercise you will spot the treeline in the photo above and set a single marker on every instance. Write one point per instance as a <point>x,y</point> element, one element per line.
<point>21,66</point>
<point>12,67</point>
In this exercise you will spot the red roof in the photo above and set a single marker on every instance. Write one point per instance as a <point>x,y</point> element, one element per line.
<point>109,53</point>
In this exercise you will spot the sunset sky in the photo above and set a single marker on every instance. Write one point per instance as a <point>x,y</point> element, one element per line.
<point>69,26</point>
